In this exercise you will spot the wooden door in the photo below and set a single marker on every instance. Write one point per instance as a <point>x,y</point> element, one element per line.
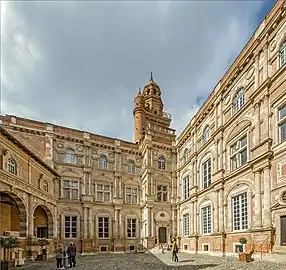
<point>162,235</point>
<point>283,231</point>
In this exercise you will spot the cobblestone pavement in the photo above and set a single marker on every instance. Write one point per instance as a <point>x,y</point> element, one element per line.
<point>158,261</point>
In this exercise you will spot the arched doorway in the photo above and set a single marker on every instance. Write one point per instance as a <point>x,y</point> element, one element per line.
<point>13,214</point>
<point>162,235</point>
<point>43,222</point>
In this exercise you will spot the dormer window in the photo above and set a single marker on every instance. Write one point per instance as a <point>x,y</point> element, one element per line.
<point>131,167</point>
<point>12,166</point>
<point>70,156</point>
<point>239,100</point>
<point>103,163</point>
<point>161,163</point>
<point>282,54</point>
<point>206,134</point>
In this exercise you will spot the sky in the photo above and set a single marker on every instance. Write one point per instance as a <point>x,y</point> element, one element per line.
<point>80,63</point>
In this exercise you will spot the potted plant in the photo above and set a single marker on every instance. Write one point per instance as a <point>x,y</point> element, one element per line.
<point>8,243</point>
<point>43,243</point>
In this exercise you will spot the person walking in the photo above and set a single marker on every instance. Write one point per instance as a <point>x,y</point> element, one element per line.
<point>65,257</point>
<point>59,257</point>
<point>175,250</point>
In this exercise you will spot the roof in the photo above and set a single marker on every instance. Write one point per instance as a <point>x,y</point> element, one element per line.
<point>9,136</point>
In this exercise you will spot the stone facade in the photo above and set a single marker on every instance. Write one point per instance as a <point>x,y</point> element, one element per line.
<point>222,179</point>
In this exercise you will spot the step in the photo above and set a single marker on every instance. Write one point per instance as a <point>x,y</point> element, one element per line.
<point>279,250</point>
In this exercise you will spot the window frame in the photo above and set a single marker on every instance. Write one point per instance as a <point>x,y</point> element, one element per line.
<point>70,187</point>
<point>241,224</point>
<point>103,191</point>
<point>186,187</point>
<point>162,192</point>
<point>207,179</point>
<point>206,134</point>
<point>209,225</point>
<point>131,195</point>
<point>282,54</point>
<point>186,226</point>
<point>104,227</point>
<point>70,226</point>
<point>161,163</point>
<point>103,162</point>
<point>238,100</point>
<point>131,168</point>
<point>237,154</point>
<point>133,228</point>
<point>70,156</point>
<point>12,166</point>
<point>281,123</point>
<point>186,155</point>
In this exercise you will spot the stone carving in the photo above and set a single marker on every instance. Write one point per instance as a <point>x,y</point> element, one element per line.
<point>250,73</point>
<point>60,145</point>
<point>79,148</point>
<point>138,160</point>
<point>273,45</point>
<point>155,153</point>
<point>111,155</point>
<point>283,197</point>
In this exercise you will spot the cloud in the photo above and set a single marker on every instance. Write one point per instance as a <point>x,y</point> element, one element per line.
<point>81,63</point>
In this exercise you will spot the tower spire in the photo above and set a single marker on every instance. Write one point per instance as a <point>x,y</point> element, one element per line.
<point>151,78</point>
<point>139,92</point>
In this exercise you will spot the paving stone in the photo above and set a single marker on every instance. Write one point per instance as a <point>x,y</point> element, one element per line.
<point>158,261</point>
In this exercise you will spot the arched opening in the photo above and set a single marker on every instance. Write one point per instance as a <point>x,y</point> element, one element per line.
<point>13,214</point>
<point>162,235</point>
<point>43,222</point>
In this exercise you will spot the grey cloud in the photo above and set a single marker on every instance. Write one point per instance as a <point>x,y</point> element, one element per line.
<point>95,55</point>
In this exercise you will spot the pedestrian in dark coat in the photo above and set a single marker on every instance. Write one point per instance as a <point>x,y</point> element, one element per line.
<point>72,253</point>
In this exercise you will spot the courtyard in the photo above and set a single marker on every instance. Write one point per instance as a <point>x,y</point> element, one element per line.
<point>158,261</point>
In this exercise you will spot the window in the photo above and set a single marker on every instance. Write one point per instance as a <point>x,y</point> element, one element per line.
<point>161,163</point>
<point>186,186</point>
<point>238,153</point>
<point>45,185</point>
<point>42,232</point>
<point>206,134</point>
<point>70,156</point>
<point>103,193</point>
<point>131,167</point>
<point>12,166</point>
<point>206,220</point>
<point>207,173</point>
<point>71,189</point>
<point>186,155</point>
<point>131,195</point>
<point>162,193</point>
<point>131,227</point>
<point>103,164</point>
<point>239,212</point>
<point>103,227</point>
<point>282,122</point>
<point>238,100</point>
<point>238,248</point>
<point>186,224</point>
<point>70,227</point>
<point>283,54</point>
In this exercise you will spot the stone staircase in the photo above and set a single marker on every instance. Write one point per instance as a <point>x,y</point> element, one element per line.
<point>279,250</point>
<point>278,255</point>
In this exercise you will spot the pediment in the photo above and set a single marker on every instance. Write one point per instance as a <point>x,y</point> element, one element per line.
<point>237,129</point>
<point>70,173</point>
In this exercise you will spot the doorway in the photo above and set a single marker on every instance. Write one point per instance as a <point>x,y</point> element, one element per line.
<point>283,230</point>
<point>162,235</point>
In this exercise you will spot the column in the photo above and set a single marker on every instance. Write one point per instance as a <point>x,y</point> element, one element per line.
<point>195,218</point>
<point>55,225</point>
<point>90,223</point>
<point>221,212</point>
<point>192,218</point>
<point>83,192</point>
<point>216,221</point>
<point>221,112</point>
<point>85,222</point>
<point>115,186</point>
<point>265,60</point>
<point>256,64</point>
<point>217,154</point>
<point>115,224</point>
<point>89,183</point>
<point>257,200</point>
<point>30,216</point>
<point>266,197</point>
<point>257,124</point>
<point>120,187</point>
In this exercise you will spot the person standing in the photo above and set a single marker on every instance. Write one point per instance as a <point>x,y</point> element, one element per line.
<point>59,257</point>
<point>175,250</point>
<point>72,254</point>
